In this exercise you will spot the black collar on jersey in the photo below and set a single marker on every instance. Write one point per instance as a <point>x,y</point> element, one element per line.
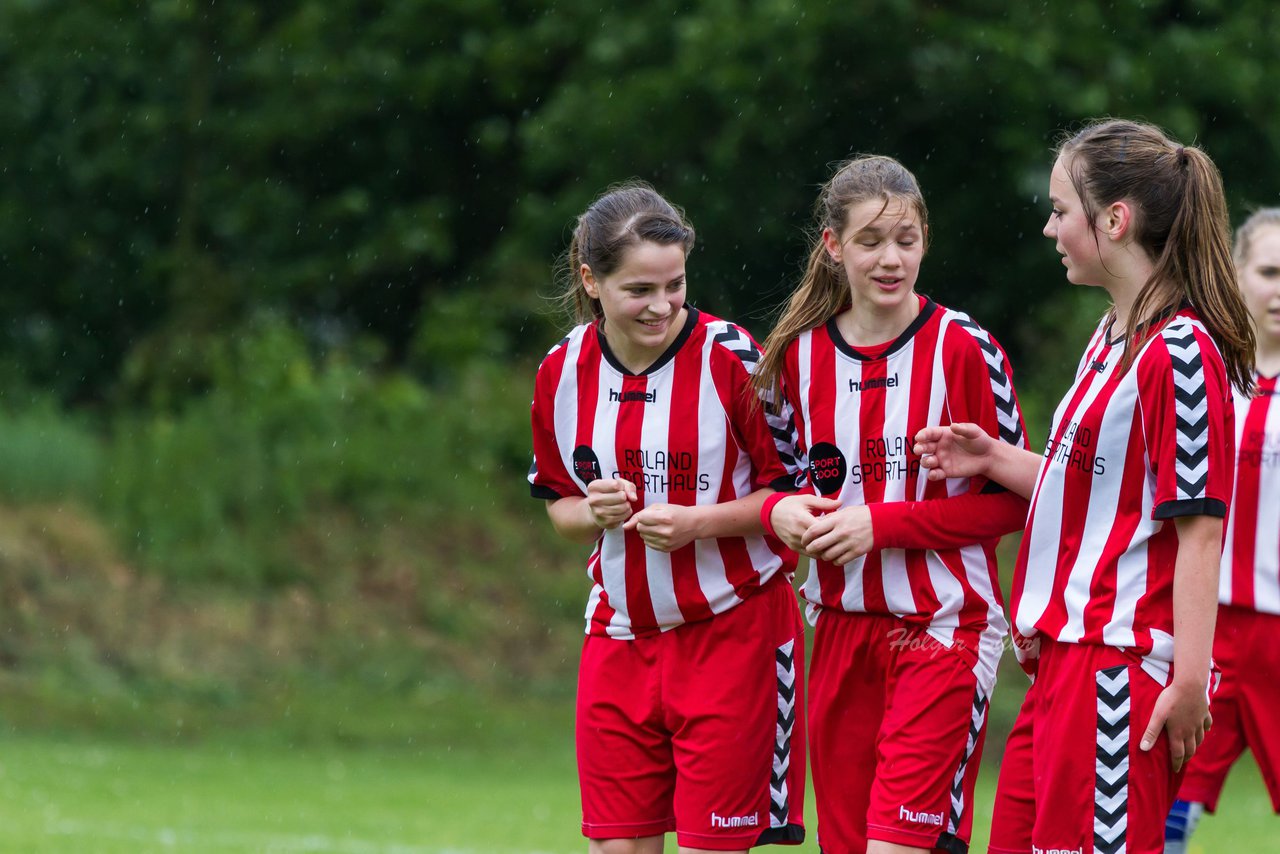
<point>926,311</point>
<point>690,323</point>
<point>1144,325</point>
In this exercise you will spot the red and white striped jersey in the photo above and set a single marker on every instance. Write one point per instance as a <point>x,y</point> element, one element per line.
<point>1250,575</point>
<point>684,432</point>
<point>1128,451</point>
<point>857,413</point>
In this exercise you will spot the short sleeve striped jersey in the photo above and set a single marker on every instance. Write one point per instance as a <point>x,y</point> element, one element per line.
<point>1250,576</point>
<point>684,432</point>
<point>1128,451</point>
<point>857,413</point>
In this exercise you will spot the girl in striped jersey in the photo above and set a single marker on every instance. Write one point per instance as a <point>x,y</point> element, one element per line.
<point>1246,707</point>
<point>1114,586</point>
<point>649,446</point>
<point>902,587</point>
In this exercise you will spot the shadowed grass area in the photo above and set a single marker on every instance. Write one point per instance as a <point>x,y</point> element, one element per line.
<point>1244,822</point>
<point>498,780</point>
<point>91,796</point>
<point>487,778</point>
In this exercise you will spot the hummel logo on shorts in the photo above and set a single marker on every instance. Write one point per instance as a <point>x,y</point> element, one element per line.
<point>752,820</point>
<point>935,818</point>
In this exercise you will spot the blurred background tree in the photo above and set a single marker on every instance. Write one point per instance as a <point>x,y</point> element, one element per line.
<point>276,274</point>
<point>406,173</point>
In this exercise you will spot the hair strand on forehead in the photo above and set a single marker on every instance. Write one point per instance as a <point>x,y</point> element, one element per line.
<point>1248,230</point>
<point>623,217</point>
<point>824,289</point>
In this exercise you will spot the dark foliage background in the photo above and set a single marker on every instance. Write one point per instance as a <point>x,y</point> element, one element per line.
<point>405,173</point>
<point>276,275</point>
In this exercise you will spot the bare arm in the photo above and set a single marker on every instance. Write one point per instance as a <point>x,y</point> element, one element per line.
<point>965,450</point>
<point>667,527</point>
<point>606,505</point>
<point>1182,708</point>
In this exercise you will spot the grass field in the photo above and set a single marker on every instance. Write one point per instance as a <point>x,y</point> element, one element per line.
<point>495,790</point>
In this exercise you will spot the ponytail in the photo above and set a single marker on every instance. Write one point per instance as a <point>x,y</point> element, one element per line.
<point>1180,220</point>
<point>819,297</point>
<point>1199,254</point>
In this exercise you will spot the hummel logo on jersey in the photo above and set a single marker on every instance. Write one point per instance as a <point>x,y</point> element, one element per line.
<point>935,818</point>
<point>752,820</point>
<point>874,382</point>
<point>1078,850</point>
<point>616,396</point>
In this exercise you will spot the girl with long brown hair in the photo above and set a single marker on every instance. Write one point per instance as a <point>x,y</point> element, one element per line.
<point>902,586</point>
<point>1115,587</point>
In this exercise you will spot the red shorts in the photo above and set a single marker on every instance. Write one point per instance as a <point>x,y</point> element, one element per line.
<point>1073,778</point>
<point>1246,707</point>
<point>897,721</point>
<point>698,730</point>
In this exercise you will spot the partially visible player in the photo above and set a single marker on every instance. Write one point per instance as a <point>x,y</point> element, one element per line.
<point>1246,646</point>
<point>1113,594</point>
<point>902,589</point>
<point>650,446</point>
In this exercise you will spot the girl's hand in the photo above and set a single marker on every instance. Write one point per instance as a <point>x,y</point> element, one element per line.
<point>610,501</point>
<point>960,450</point>
<point>1182,710</point>
<point>792,516</point>
<point>665,527</point>
<point>840,537</point>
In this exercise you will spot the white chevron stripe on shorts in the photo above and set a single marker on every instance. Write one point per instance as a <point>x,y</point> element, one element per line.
<point>780,801</point>
<point>1111,766</point>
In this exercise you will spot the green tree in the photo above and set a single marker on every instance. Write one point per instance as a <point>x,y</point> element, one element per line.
<point>407,172</point>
